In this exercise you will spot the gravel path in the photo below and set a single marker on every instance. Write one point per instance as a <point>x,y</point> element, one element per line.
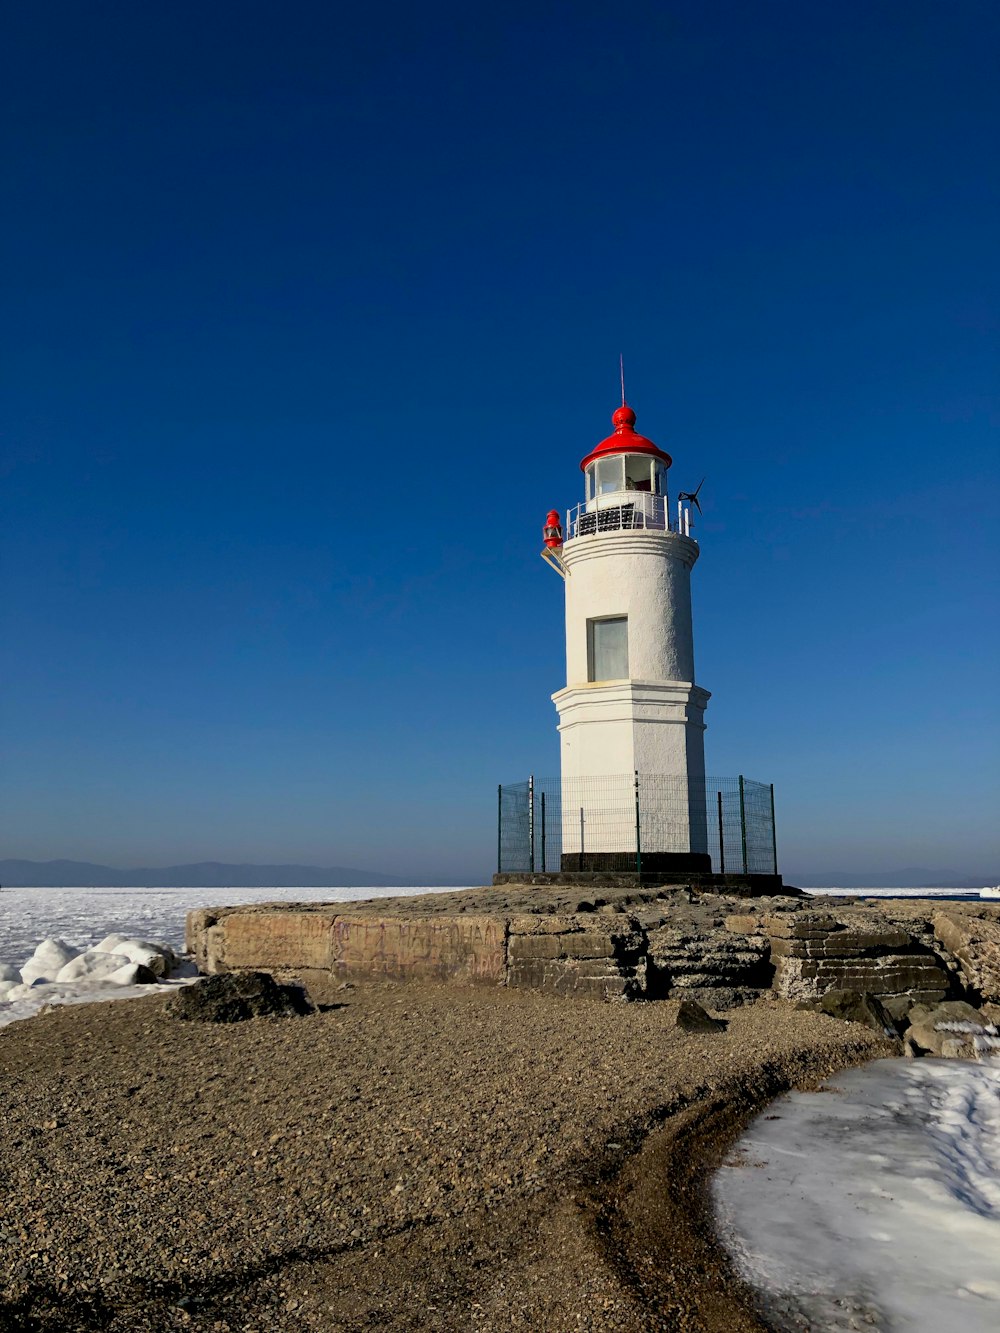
<point>415,1158</point>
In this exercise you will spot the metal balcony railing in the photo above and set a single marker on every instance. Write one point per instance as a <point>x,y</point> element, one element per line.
<point>626,511</point>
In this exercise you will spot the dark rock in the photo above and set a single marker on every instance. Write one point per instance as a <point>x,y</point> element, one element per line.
<point>232,997</point>
<point>854,1007</point>
<point>692,1018</point>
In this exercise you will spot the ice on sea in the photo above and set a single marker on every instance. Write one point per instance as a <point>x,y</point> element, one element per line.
<point>78,946</point>
<point>874,1202</point>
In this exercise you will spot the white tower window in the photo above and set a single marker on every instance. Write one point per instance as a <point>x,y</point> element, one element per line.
<point>607,649</point>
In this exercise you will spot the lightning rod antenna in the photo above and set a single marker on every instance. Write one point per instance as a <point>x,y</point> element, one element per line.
<point>621,367</point>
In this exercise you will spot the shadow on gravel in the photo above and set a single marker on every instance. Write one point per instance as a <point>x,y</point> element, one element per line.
<point>134,1305</point>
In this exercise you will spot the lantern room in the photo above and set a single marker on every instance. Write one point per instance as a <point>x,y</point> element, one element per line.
<point>625,461</point>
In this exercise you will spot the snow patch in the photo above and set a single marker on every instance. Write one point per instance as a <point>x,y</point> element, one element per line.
<point>874,1202</point>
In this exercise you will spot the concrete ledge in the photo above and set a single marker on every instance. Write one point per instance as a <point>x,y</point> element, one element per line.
<point>624,943</point>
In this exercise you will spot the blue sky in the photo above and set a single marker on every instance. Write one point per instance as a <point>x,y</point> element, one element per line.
<point>312,311</point>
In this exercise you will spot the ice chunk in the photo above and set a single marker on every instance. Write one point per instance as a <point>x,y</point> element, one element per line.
<point>24,989</point>
<point>108,944</point>
<point>48,959</point>
<point>94,965</point>
<point>9,973</point>
<point>149,955</point>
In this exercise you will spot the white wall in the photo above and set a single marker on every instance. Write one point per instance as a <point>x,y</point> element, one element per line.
<point>654,721</point>
<point>645,576</point>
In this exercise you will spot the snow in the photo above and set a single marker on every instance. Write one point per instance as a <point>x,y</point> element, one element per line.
<point>970,894</point>
<point>78,946</point>
<point>873,1203</point>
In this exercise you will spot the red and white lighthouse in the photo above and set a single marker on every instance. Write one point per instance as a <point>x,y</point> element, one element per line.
<point>630,706</point>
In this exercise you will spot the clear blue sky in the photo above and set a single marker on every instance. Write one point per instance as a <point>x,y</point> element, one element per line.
<point>312,311</point>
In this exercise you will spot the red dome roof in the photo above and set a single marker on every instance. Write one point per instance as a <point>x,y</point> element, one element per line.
<point>625,440</point>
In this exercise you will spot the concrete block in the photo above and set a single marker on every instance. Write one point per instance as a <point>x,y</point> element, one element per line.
<point>465,948</point>
<point>275,939</point>
<point>589,944</point>
<point>534,946</point>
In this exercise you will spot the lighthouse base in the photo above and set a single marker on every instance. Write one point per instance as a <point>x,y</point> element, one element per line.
<point>738,886</point>
<point>653,863</point>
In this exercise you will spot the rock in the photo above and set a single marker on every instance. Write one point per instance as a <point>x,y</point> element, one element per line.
<point>49,958</point>
<point>691,1017</point>
<point>949,1011</point>
<point>853,1007</point>
<point>975,943</point>
<point>899,1008</point>
<point>954,1030</point>
<point>232,997</point>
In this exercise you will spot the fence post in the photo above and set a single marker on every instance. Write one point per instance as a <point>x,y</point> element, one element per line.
<point>531,823</point>
<point>581,838</point>
<point>543,833</point>
<point>499,827</point>
<point>722,840</point>
<point>774,832</point>
<point>638,835</point>
<point>743,822</point>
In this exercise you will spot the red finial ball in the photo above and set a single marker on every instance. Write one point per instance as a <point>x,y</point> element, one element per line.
<point>622,417</point>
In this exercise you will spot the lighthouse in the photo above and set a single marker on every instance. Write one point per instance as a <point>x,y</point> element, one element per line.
<point>631,717</point>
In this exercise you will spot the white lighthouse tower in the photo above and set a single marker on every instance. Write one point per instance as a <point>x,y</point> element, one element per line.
<point>631,718</point>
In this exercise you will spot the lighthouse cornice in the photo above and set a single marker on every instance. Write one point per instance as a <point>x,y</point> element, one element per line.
<point>659,544</point>
<point>630,694</point>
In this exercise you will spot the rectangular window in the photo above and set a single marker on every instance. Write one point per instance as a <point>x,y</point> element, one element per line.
<point>607,649</point>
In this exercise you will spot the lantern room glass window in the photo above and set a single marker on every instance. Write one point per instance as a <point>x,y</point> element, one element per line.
<point>638,472</point>
<point>610,475</point>
<point>607,649</point>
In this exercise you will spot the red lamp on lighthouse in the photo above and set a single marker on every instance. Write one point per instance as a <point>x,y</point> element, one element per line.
<point>552,536</point>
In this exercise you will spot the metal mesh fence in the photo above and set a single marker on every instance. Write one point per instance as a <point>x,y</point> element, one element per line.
<point>621,819</point>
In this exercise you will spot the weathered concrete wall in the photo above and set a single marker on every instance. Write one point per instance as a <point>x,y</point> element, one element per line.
<point>443,948</point>
<point>635,944</point>
<point>582,954</point>
<point>585,954</point>
<point>814,953</point>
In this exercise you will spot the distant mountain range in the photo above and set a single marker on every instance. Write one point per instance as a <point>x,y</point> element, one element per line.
<point>910,877</point>
<point>18,874</point>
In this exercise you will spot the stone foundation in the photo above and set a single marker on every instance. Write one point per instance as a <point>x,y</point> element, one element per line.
<point>743,886</point>
<point>624,943</point>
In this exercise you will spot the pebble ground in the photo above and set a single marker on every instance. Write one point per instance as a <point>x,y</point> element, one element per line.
<point>410,1157</point>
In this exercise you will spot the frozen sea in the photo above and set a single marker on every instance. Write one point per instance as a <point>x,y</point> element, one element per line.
<point>82,917</point>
